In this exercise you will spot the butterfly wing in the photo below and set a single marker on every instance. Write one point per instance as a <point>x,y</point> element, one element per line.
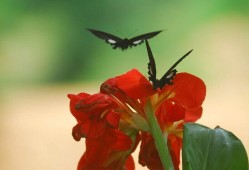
<point>151,65</point>
<point>109,38</point>
<point>170,74</point>
<point>140,39</point>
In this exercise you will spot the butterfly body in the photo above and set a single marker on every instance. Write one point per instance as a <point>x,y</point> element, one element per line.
<point>168,76</point>
<point>124,43</point>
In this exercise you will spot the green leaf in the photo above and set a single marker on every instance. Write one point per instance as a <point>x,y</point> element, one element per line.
<point>212,149</point>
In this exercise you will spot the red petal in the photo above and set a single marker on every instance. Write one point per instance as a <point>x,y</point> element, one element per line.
<point>129,164</point>
<point>118,141</point>
<point>95,104</point>
<point>106,151</point>
<point>95,153</point>
<point>170,112</point>
<point>90,129</point>
<point>113,118</point>
<point>79,115</point>
<point>79,131</point>
<point>193,114</point>
<point>175,145</point>
<point>148,155</point>
<point>189,90</point>
<point>135,85</point>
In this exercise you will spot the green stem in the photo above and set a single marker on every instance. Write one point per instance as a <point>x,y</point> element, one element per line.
<point>159,138</point>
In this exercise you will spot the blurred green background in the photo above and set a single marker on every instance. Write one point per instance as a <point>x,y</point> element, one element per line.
<point>46,41</point>
<point>46,52</point>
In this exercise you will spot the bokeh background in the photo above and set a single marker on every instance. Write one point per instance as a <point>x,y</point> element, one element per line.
<point>46,53</point>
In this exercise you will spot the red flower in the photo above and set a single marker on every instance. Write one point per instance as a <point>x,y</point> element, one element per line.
<point>106,152</point>
<point>106,146</point>
<point>112,120</point>
<point>174,105</point>
<point>94,114</point>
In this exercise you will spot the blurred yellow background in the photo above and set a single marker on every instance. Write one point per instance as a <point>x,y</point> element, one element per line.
<point>46,53</point>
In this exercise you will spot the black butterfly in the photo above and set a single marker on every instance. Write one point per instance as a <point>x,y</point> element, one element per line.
<point>123,44</point>
<point>167,77</point>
